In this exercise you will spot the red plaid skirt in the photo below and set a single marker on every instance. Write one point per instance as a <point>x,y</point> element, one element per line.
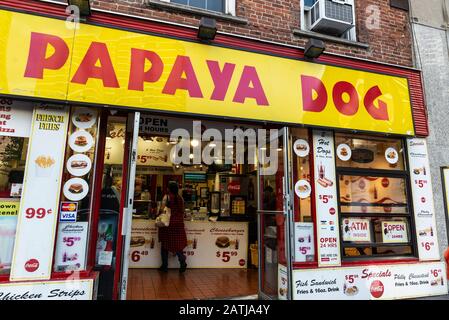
<point>173,238</point>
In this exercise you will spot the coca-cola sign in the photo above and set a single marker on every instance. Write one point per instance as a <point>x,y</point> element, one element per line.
<point>377,289</point>
<point>234,187</point>
<point>32,265</point>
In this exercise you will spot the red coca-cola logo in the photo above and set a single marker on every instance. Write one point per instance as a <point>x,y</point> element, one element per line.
<point>31,265</point>
<point>332,211</point>
<point>377,289</point>
<point>385,182</point>
<point>234,187</point>
<point>242,262</point>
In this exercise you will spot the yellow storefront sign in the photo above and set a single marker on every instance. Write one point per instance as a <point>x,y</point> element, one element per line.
<point>42,57</point>
<point>9,208</point>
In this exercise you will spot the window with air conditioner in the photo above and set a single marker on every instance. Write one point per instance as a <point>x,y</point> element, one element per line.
<point>221,6</point>
<point>329,17</point>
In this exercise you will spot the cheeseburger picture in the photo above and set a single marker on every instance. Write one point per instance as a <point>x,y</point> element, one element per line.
<point>76,188</point>
<point>81,141</point>
<point>222,242</point>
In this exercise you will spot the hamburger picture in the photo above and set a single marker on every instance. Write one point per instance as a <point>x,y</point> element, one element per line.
<point>137,241</point>
<point>78,164</point>
<point>301,147</point>
<point>84,117</point>
<point>76,188</point>
<point>222,242</point>
<point>81,141</point>
<point>344,152</point>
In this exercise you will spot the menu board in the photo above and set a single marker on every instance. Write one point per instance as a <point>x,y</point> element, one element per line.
<point>304,242</point>
<point>36,227</point>
<point>397,281</point>
<point>209,245</point>
<point>326,199</point>
<point>68,289</point>
<point>8,221</point>
<point>71,246</point>
<point>424,209</point>
<point>15,117</point>
<point>282,282</point>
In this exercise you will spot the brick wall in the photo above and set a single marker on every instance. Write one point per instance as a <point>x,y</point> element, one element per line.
<point>275,20</point>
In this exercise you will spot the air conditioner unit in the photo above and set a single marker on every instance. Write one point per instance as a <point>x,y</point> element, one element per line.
<point>333,17</point>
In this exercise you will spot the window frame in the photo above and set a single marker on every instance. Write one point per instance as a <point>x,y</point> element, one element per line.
<point>350,35</point>
<point>409,217</point>
<point>229,7</point>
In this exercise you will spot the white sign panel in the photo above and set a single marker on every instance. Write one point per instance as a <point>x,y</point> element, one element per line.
<point>15,118</point>
<point>71,246</point>
<point>163,126</point>
<point>326,199</point>
<point>35,238</point>
<point>304,242</point>
<point>423,200</point>
<point>356,230</point>
<point>51,290</point>
<point>209,245</point>
<point>282,282</point>
<point>387,282</point>
<point>394,232</point>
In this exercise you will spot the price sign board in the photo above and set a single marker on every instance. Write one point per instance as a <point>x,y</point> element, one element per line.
<point>375,282</point>
<point>71,246</point>
<point>423,205</point>
<point>38,215</point>
<point>209,245</point>
<point>326,199</point>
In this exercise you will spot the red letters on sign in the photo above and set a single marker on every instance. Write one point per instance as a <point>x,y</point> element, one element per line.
<point>175,81</point>
<point>37,60</point>
<point>347,108</point>
<point>138,75</point>
<point>309,85</point>
<point>244,90</point>
<point>97,52</point>
<point>380,113</point>
<point>221,78</point>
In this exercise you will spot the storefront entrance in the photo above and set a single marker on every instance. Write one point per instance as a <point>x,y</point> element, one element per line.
<point>227,199</point>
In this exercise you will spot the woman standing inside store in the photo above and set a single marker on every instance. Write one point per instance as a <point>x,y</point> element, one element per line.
<point>173,238</point>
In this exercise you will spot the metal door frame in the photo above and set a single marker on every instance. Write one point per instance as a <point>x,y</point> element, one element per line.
<point>133,124</point>
<point>287,211</point>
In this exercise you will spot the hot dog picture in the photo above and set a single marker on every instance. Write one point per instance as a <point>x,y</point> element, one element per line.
<point>324,182</point>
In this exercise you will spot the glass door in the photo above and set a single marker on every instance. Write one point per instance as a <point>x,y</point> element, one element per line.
<point>274,215</point>
<point>115,176</point>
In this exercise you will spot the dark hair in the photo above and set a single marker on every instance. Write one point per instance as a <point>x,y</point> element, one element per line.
<point>174,189</point>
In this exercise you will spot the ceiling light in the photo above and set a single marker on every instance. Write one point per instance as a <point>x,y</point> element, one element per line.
<point>207,29</point>
<point>314,48</point>
<point>194,143</point>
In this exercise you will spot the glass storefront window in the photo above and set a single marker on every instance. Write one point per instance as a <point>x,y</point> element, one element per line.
<point>77,185</point>
<point>375,217</point>
<point>304,220</point>
<point>15,125</point>
<point>366,152</point>
<point>371,194</point>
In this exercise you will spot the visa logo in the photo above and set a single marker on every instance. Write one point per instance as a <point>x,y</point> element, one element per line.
<point>68,216</point>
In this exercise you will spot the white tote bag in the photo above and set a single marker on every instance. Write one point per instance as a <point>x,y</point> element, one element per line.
<point>163,220</point>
